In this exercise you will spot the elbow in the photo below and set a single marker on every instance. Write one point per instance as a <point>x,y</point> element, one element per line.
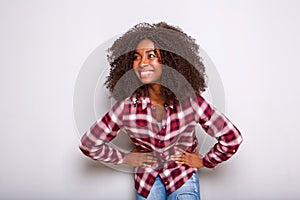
<point>234,144</point>
<point>87,152</point>
<point>240,138</point>
<point>90,151</point>
<point>238,142</point>
<point>84,150</point>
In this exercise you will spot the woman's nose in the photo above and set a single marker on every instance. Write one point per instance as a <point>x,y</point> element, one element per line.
<point>144,61</point>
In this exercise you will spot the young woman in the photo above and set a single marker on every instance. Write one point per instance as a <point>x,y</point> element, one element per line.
<point>157,78</point>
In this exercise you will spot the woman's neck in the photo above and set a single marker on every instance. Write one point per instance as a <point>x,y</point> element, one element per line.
<point>155,94</point>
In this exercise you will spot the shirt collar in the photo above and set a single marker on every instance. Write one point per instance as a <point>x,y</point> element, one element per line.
<point>145,101</point>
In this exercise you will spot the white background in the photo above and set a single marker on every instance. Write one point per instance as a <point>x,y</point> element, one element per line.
<point>43,44</point>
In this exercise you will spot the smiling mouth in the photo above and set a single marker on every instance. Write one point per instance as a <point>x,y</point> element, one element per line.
<point>145,74</point>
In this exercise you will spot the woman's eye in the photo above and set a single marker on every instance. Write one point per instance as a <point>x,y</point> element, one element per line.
<point>136,57</point>
<point>152,56</point>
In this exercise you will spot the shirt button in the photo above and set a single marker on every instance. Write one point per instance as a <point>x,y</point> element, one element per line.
<point>166,182</point>
<point>164,127</point>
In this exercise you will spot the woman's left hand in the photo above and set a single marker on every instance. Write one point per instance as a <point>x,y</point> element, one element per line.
<point>190,159</point>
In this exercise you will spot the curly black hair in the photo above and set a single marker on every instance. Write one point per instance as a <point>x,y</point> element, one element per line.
<point>178,52</point>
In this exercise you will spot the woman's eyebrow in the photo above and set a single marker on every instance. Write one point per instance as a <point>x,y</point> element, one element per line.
<point>148,51</point>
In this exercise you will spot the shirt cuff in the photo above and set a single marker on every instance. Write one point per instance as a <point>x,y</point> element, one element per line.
<point>207,163</point>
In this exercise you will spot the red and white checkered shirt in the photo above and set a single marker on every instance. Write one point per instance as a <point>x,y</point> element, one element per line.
<point>137,117</point>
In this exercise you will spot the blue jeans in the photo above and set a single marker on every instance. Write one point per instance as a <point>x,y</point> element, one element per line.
<point>188,191</point>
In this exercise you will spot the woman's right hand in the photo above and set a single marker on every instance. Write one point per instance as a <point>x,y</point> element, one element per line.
<point>137,159</point>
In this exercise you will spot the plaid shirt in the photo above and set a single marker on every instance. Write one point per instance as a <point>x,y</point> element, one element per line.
<point>137,117</point>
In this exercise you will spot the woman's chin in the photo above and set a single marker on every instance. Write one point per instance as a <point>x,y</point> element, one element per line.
<point>149,81</point>
<point>143,81</point>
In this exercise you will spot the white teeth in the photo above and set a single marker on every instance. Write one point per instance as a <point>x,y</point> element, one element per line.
<point>145,73</point>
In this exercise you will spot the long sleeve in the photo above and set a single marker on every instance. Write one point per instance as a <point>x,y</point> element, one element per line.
<point>220,127</point>
<point>94,142</point>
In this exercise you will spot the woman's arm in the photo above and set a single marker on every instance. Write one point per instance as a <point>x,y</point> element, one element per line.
<point>220,127</point>
<point>94,142</point>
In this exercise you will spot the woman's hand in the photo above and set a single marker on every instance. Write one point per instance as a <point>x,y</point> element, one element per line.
<point>136,159</point>
<point>190,159</point>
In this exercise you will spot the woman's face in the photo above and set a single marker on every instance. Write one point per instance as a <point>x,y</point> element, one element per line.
<point>145,62</point>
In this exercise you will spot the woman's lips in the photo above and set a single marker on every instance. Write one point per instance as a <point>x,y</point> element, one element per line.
<point>146,73</point>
